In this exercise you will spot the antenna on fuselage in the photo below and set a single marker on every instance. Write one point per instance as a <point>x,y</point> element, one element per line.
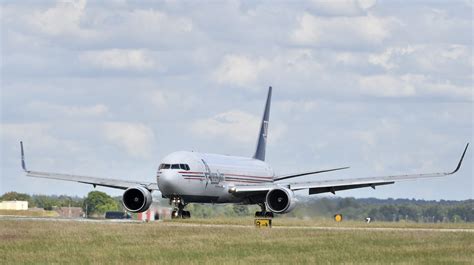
<point>262,137</point>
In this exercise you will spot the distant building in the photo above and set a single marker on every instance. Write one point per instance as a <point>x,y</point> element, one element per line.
<point>14,205</point>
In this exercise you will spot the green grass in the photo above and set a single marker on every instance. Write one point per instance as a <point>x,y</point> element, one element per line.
<point>42,242</point>
<point>288,221</point>
<point>28,213</point>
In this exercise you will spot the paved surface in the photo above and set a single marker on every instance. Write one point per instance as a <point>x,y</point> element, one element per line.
<point>171,224</point>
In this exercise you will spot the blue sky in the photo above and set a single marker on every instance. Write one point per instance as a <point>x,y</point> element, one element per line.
<point>109,88</point>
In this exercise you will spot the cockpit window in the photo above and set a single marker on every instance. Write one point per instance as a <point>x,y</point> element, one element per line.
<point>184,166</point>
<point>174,166</point>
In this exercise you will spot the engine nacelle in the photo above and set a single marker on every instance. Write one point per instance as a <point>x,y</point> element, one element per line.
<point>137,199</point>
<point>280,200</point>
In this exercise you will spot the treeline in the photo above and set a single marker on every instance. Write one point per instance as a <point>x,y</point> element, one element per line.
<point>96,203</point>
<point>47,202</point>
<point>393,210</point>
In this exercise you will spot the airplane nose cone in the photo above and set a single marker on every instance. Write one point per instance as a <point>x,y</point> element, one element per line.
<point>167,182</point>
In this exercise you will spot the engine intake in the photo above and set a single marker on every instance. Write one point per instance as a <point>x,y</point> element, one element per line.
<point>280,200</point>
<point>137,199</point>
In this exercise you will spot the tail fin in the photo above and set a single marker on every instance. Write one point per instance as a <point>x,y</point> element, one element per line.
<point>262,137</point>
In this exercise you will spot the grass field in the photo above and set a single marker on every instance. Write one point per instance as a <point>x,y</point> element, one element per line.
<point>29,213</point>
<point>52,242</point>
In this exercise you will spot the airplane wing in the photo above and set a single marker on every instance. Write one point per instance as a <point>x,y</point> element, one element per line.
<point>332,186</point>
<point>294,175</point>
<point>95,181</point>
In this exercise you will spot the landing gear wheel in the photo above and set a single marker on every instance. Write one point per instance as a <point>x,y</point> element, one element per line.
<point>264,214</point>
<point>269,214</point>
<point>186,215</point>
<point>179,211</point>
<point>175,214</point>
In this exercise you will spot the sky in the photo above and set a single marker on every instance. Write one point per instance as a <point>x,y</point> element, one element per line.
<point>108,88</point>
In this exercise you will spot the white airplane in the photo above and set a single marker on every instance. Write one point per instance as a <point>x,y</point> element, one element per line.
<point>192,177</point>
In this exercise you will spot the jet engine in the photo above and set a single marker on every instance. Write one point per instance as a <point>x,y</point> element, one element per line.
<point>137,199</point>
<point>280,200</point>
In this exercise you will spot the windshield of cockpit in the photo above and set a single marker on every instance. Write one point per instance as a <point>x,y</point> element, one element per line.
<point>174,166</point>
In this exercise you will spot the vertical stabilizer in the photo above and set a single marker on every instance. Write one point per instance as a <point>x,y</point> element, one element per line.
<point>262,136</point>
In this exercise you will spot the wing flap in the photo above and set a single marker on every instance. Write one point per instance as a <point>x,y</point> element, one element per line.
<point>345,187</point>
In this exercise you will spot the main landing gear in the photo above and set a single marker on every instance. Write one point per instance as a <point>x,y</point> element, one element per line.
<point>264,212</point>
<point>178,211</point>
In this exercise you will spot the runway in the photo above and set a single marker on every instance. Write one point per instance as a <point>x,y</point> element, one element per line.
<point>181,224</point>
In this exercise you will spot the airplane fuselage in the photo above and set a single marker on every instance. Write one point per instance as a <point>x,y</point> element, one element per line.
<point>207,178</point>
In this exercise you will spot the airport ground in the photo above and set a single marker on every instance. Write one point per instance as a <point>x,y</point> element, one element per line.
<point>32,240</point>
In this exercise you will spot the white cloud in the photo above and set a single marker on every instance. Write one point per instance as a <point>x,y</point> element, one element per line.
<point>387,86</point>
<point>170,99</point>
<point>53,110</point>
<point>455,52</point>
<point>409,85</point>
<point>235,124</point>
<point>341,31</point>
<point>426,57</point>
<point>240,70</point>
<point>156,20</point>
<point>36,134</point>
<point>135,138</point>
<point>62,19</point>
<point>119,59</point>
<point>385,59</point>
<point>291,106</point>
<point>342,7</point>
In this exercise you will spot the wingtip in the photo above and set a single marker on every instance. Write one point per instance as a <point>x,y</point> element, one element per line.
<point>23,165</point>
<point>460,160</point>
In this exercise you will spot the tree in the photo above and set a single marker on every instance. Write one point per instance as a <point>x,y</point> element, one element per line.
<point>408,212</point>
<point>97,203</point>
<point>433,214</point>
<point>15,196</point>
<point>45,202</point>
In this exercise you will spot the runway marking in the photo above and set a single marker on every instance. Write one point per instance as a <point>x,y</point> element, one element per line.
<point>178,224</point>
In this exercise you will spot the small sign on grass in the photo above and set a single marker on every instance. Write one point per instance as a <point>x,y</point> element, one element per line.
<point>263,223</point>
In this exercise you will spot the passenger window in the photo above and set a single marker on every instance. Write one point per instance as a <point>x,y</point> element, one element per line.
<point>175,166</point>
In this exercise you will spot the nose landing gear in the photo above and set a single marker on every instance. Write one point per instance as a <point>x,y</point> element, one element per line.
<point>178,211</point>
<point>264,212</point>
